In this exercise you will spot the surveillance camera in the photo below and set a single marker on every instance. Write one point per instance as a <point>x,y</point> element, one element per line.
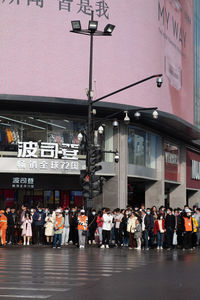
<point>116,157</point>
<point>159,81</point>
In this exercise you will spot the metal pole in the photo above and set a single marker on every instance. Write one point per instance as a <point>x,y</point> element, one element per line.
<point>90,125</point>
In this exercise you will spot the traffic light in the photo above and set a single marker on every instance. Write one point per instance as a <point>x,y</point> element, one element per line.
<point>95,157</point>
<point>85,183</point>
<point>96,185</point>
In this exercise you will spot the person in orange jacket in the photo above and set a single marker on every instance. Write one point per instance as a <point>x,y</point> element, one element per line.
<point>3,227</point>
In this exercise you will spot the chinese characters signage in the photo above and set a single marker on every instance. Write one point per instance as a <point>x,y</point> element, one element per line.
<point>39,165</point>
<point>47,150</point>
<point>23,182</point>
<point>100,7</point>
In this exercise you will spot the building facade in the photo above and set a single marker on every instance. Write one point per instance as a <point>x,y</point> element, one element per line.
<point>44,73</point>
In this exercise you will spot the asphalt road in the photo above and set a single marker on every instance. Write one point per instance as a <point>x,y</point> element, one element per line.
<point>98,274</point>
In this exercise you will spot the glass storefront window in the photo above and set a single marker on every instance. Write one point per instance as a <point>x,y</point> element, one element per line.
<point>141,147</point>
<point>15,128</point>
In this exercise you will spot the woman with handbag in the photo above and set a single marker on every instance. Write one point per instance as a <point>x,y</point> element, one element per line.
<point>49,228</point>
<point>131,224</point>
<point>82,228</point>
<point>26,227</point>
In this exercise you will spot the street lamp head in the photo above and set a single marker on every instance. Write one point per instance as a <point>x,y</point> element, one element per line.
<point>115,123</point>
<point>76,25</point>
<point>126,118</point>
<point>92,26</point>
<point>100,129</point>
<point>80,137</point>
<point>137,115</point>
<point>159,81</point>
<point>155,114</point>
<point>109,28</point>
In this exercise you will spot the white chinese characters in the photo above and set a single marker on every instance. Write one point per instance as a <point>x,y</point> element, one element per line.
<point>47,150</point>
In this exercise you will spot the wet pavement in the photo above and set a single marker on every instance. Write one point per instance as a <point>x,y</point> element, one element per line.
<point>95,274</point>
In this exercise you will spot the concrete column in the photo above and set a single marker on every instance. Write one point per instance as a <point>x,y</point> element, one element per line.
<point>178,193</point>
<point>115,189</point>
<point>194,199</point>
<point>154,191</point>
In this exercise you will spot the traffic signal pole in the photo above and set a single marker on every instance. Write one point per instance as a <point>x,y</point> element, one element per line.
<point>90,136</point>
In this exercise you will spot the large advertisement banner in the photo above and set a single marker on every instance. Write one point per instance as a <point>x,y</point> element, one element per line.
<point>40,57</point>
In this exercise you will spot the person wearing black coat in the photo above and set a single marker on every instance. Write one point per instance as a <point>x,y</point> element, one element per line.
<point>179,227</point>
<point>149,228</point>
<point>170,227</point>
<point>92,226</point>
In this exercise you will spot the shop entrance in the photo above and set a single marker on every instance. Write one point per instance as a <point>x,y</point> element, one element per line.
<point>44,198</point>
<point>136,193</point>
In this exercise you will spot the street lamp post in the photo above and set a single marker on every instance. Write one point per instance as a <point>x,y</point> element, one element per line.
<point>92,31</point>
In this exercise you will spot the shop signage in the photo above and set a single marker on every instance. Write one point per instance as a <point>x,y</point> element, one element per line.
<point>23,182</point>
<point>47,150</point>
<point>171,158</point>
<point>47,165</point>
<point>195,170</point>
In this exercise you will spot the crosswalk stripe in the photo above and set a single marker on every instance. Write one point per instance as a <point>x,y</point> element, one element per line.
<point>26,296</point>
<point>34,289</point>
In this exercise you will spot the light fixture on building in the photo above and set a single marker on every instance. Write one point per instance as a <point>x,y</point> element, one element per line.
<point>76,25</point>
<point>115,123</point>
<point>80,137</point>
<point>100,129</point>
<point>159,81</point>
<point>137,115</point>
<point>126,118</point>
<point>155,114</point>
<point>92,26</point>
<point>116,156</point>
<point>109,28</point>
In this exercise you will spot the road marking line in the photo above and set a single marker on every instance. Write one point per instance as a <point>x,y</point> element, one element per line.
<point>34,289</point>
<point>25,296</point>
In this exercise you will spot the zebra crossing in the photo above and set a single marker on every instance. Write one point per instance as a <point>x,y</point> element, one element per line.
<point>53,274</point>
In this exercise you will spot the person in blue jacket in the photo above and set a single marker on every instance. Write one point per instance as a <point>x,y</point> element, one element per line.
<point>39,220</point>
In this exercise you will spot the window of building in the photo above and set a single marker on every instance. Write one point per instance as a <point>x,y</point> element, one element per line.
<point>141,147</point>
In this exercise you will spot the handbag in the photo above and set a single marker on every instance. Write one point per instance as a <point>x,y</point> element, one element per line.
<point>174,239</point>
<point>84,232</point>
<point>22,226</point>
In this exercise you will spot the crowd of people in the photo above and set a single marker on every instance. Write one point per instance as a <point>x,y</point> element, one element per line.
<point>139,228</point>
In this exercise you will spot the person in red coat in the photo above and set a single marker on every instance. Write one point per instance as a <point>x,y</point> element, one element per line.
<point>159,230</point>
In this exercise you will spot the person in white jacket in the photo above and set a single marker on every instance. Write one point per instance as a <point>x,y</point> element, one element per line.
<point>106,228</point>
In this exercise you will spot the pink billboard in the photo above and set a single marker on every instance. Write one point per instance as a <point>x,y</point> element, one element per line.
<point>40,57</point>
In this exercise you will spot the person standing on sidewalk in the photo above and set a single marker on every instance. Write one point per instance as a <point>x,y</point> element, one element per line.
<point>3,227</point>
<point>39,220</point>
<point>170,227</point>
<point>149,227</point>
<point>159,230</point>
<point>65,235</point>
<point>187,238</point>
<point>82,228</point>
<point>99,226</point>
<point>117,220</point>
<point>106,229</point>
<point>138,234</point>
<point>131,224</point>
<point>27,228</point>
<point>59,224</point>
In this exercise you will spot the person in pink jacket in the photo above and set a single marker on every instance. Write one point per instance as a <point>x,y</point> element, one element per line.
<point>27,227</point>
